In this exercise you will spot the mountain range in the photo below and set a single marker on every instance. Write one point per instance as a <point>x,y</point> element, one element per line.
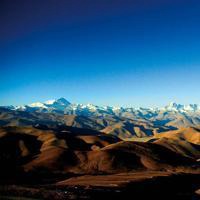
<point>126,123</point>
<point>62,105</point>
<point>62,150</point>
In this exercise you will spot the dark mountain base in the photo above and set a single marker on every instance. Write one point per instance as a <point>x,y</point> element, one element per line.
<point>68,163</point>
<point>156,185</point>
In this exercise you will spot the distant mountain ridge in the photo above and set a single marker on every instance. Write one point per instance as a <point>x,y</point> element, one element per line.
<point>123,122</point>
<point>62,105</point>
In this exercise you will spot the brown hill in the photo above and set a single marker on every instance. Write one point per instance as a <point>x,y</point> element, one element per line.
<point>122,127</point>
<point>71,150</point>
<point>32,149</point>
<point>182,147</point>
<point>114,158</point>
<point>184,141</point>
<point>189,134</point>
<point>129,129</point>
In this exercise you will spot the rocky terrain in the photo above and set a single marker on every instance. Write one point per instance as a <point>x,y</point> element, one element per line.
<point>122,122</point>
<point>66,158</point>
<point>45,154</point>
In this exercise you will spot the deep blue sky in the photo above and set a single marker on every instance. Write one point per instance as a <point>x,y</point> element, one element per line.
<point>116,52</point>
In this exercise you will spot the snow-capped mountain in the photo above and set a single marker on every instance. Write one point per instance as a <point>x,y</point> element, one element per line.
<point>182,108</point>
<point>58,105</point>
<point>172,115</point>
<point>61,105</point>
<point>116,120</point>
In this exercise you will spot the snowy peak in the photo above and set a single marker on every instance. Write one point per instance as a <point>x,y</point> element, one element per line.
<point>58,104</point>
<point>192,107</point>
<point>62,101</point>
<point>50,102</point>
<point>173,106</point>
<point>63,106</point>
<point>182,108</point>
<point>173,115</point>
<point>38,105</point>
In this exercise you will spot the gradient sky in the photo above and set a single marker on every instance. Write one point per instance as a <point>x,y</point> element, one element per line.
<point>106,52</point>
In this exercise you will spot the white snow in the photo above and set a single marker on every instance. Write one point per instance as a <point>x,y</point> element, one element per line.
<point>50,102</point>
<point>38,105</point>
<point>62,104</point>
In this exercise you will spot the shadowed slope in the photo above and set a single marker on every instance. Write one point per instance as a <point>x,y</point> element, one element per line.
<point>189,134</point>
<point>72,150</point>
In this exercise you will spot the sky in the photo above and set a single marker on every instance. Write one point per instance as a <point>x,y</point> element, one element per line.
<point>106,52</point>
